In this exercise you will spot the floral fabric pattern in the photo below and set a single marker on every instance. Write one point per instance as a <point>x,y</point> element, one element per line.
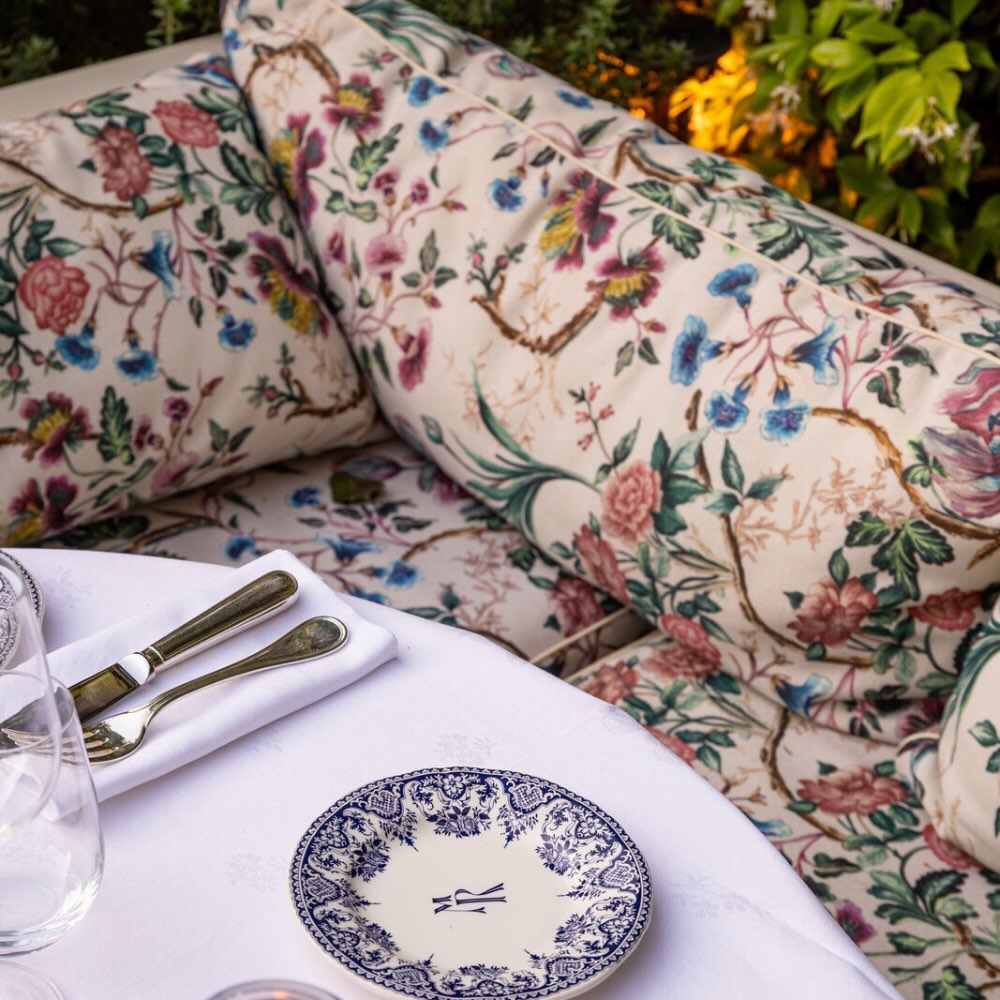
<point>799,452</point>
<point>954,766</point>
<point>840,808</point>
<point>161,322</point>
<point>384,524</point>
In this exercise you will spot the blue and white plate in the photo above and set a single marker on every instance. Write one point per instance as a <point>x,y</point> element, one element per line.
<point>10,571</point>
<point>470,882</point>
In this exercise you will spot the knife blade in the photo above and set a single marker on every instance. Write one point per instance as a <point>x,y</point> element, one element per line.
<point>259,599</point>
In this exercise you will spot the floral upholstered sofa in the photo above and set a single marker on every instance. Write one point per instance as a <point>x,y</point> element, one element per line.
<point>477,346</point>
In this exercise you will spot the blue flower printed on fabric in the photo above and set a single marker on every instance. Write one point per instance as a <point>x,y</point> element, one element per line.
<point>800,698</point>
<point>786,420</point>
<point>235,335</point>
<point>727,412</point>
<point>160,261</point>
<point>305,496</point>
<point>819,352</point>
<point>78,349</point>
<point>691,350</point>
<point>346,549</point>
<point>422,90</point>
<point>433,137</point>
<point>577,100</point>
<point>399,574</point>
<point>505,194</point>
<point>735,282</point>
<point>137,364</point>
<point>239,546</point>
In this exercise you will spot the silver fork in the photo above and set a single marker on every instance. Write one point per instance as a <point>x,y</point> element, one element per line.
<point>119,735</point>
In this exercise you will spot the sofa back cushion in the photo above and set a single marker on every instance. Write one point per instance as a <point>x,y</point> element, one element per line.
<point>777,441</point>
<point>161,323</point>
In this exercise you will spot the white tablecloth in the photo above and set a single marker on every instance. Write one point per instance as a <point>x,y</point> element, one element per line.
<point>195,891</point>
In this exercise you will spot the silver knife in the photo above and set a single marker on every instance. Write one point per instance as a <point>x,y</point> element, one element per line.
<point>259,599</point>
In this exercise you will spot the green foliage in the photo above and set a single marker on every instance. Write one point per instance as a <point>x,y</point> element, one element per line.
<point>47,36</point>
<point>32,57</point>
<point>909,92</point>
<point>176,19</point>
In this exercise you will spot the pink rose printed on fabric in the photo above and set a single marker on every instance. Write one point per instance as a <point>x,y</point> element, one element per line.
<point>947,852</point>
<point>121,164</point>
<point>691,636</point>
<point>852,790</point>
<point>54,291</point>
<point>631,496</point>
<point>612,683</point>
<point>676,746</point>
<point>954,610</point>
<point>673,661</point>
<point>831,614</point>
<point>576,605</point>
<point>600,563</point>
<point>186,124</point>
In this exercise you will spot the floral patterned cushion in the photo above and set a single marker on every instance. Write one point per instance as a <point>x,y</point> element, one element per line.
<point>161,323</point>
<point>669,375</point>
<point>382,522</point>
<point>954,767</point>
<point>834,804</point>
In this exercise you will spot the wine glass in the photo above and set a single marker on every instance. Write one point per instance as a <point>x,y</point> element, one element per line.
<point>51,851</point>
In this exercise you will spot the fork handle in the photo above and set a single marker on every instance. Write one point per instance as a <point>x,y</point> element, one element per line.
<point>315,637</point>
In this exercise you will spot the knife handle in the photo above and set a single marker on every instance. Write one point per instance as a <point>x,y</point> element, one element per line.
<point>259,599</point>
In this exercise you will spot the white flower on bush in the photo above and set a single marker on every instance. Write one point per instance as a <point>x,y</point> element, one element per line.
<point>933,129</point>
<point>969,143</point>
<point>760,10</point>
<point>786,96</point>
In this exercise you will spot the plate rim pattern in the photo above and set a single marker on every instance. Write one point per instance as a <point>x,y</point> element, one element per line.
<point>575,982</point>
<point>8,637</point>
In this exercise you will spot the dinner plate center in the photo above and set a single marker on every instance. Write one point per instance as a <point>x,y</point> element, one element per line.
<point>468,900</point>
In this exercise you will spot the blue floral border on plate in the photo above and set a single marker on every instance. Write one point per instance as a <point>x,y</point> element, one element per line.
<point>383,805</point>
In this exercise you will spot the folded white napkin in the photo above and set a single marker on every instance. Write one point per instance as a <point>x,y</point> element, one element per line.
<point>208,719</point>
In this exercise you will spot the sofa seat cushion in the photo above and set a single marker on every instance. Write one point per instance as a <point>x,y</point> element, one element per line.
<point>835,806</point>
<point>161,321</point>
<point>383,523</point>
<point>673,378</point>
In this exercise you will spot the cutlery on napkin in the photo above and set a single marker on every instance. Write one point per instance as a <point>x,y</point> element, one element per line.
<point>259,599</point>
<point>198,726</point>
